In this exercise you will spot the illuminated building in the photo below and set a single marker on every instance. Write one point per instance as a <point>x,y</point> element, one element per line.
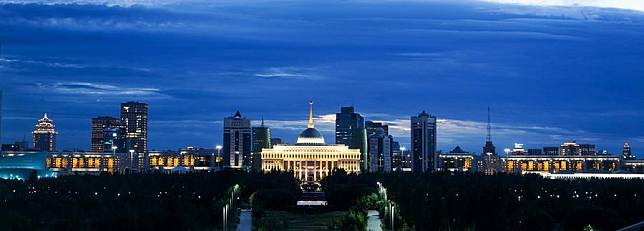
<point>570,149</point>
<point>518,150</point>
<point>372,127</point>
<point>108,135</point>
<point>44,135</point>
<point>310,159</point>
<point>556,164</point>
<point>237,141</point>
<point>74,163</point>
<point>456,160</point>
<point>186,160</point>
<point>135,118</point>
<point>626,152</point>
<point>380,151</point>
<point>261,140</point>
<point>23,164</point>
<point>423,143</point>
<point>350,130</point>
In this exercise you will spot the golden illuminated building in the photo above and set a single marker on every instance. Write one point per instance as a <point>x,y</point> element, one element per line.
<point>310,159</point>
<point>65,163</point>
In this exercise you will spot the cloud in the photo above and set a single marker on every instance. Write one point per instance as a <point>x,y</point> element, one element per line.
<point>97,89</point>
<point>287,73</point>
<point>636,5</point>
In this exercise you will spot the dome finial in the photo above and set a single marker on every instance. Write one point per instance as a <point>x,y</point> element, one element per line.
<point>311,114</point>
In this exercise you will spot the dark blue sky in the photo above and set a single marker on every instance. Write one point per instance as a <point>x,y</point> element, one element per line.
<point>550,74</point>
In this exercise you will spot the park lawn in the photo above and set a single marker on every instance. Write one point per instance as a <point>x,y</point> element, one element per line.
<point>303,221</point>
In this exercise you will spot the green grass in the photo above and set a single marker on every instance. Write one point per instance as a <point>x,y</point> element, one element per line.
<point>301,221</point>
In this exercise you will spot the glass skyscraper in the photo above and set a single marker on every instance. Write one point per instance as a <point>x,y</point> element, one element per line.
<point>135,117</point>
<point>350,130</point>
<point>261,139</point>
<point>108,132</point>
<point>423,143</point>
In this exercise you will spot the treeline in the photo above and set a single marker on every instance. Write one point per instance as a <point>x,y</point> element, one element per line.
<point>464,201</point>
<point>129,202</point>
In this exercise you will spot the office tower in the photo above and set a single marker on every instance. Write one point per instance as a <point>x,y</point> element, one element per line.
<point>135,118</point>
<point>380,151</point>
<point>108,135</point>
<point>350,131</point>
<point>261,140</point>
<point>627,153</point>
<point>44,135</point>
<point>423,142</point>
<point>372,127</point>
<point>551,151</point>
<point>237,141</point>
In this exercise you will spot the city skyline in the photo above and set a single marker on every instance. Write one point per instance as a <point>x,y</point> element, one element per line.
<point>451,59</point>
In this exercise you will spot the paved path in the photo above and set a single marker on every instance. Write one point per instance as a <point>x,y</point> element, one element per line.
<point>373,221</point>
<point>245,220</point>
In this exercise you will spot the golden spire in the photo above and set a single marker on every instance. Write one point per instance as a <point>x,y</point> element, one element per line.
<point>311,114</point>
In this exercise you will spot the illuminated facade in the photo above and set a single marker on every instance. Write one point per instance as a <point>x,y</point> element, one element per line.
<point>456,160</point>
<point>70,163</point>
<point>556,164</point>
<point>237,142</point>
<point>44,135</point>
<point>627,154</point>
<point>135,118</point>
<point>380,151</point>
<point>186,160</point>
<point>108,135</point>
<point>310,159</point>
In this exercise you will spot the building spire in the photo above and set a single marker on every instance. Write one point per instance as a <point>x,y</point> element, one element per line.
<point>489,127</point>
<point>262,121</point>
<point>311,114</point>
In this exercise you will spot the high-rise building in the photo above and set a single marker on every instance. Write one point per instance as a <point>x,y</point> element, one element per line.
<point>380,151</point>
<point>423,142</point>
<point>372,127</point>
<point>108,135</point>
<point>627,154</point>
<point>237,141</point>
<point>261,140</point>
<point>350,130</point>
<point>44,135</point>
<point>135,118</point>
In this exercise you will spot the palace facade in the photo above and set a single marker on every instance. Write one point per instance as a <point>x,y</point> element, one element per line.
<point>310,159</point>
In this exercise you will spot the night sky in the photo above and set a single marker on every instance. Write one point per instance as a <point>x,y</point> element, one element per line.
<point>549,73</point>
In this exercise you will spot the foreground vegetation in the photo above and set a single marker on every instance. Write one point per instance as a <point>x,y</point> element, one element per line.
<point>455,201</point>
<point>129,202</point>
